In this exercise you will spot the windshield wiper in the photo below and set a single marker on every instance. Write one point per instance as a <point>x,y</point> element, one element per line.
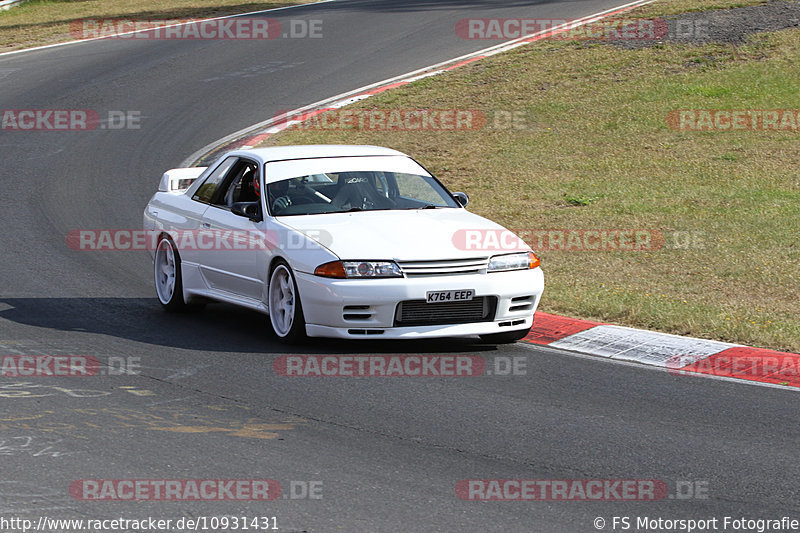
<point>356,208</point>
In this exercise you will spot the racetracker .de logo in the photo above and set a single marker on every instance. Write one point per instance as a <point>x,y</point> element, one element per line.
<point>590,240</point>
<point>566,29</point>
<point>246,28</point>
<point>384,366</point>
<point>68,120</point>
<point>742,366</point>
<point>12,366</point>
<point>734,119</point>
<point>551,490</point>
<point>195,240</point>
<point>387,119</point>
<point>175,489</point>
<point>50,119</point>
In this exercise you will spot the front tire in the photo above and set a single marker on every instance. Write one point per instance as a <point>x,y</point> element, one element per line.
<point>167,271</point>
<point>285,309</point>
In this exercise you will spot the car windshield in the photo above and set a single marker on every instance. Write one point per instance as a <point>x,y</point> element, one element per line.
<point>339,192</point>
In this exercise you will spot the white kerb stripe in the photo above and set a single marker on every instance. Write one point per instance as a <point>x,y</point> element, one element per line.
<point>649,347</point>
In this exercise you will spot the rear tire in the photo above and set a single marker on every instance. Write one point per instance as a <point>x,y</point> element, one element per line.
<point>285,309</point>
<point>506,337</point>
<point>167,273</point>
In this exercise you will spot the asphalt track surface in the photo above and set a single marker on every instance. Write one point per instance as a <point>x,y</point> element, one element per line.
<point>207,403</point>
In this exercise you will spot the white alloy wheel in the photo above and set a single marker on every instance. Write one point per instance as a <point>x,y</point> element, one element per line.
<point>167,270</point>
<point>285,311</point>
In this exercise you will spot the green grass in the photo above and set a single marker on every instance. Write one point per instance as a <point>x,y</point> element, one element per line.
<point>41,22</point>
<point>593,150</point>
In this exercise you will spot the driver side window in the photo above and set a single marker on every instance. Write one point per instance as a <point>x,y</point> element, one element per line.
<point>207,191</point>
<point>241,185</point>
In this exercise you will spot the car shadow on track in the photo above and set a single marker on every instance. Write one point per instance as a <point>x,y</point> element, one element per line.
<point>218,327</point>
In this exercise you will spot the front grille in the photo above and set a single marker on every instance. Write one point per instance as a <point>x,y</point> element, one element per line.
<point>444,267</point>
<point>421,313</point>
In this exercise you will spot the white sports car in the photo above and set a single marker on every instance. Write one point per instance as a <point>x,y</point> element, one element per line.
<point>339,241</point>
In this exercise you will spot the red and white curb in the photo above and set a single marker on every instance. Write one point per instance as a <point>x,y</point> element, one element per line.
<point>679,355</point>
<point>258,133</point>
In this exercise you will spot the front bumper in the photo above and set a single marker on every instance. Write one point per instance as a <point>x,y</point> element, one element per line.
<point>358,309</point>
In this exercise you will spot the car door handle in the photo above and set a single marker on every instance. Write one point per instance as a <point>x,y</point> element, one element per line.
<point>206,225</point>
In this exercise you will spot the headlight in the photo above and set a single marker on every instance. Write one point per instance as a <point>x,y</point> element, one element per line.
<point>520,261</point>
<point>359,269</point>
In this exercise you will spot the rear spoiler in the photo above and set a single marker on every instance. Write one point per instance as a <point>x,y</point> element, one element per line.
<point>179,179</point>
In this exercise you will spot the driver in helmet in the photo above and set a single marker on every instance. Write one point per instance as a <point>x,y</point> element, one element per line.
<point>278,196</point>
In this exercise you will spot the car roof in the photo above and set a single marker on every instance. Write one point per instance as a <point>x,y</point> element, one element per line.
<point>313,151</point>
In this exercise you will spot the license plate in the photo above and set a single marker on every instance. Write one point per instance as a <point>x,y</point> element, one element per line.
<point>463,295</point>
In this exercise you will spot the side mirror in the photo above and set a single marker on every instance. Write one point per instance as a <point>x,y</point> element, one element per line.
<point>250,210</point>
<point>461,198</point>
